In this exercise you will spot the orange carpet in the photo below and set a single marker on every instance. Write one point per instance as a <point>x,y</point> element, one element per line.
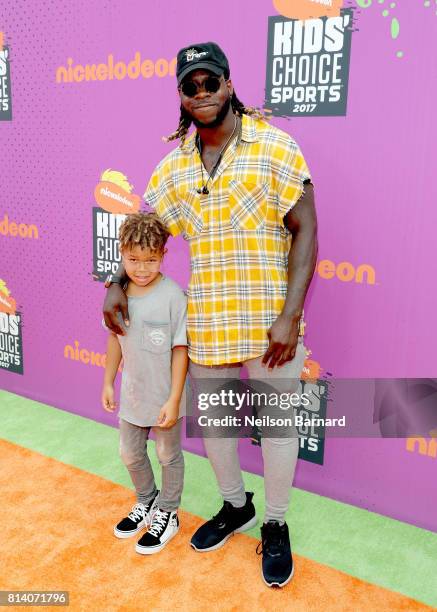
<point>57,535</point>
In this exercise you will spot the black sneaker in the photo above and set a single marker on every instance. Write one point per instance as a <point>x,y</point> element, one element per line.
<point>164,526</point>
<point>214,533</point>
<point>140,516</point>
<point>277,564</point>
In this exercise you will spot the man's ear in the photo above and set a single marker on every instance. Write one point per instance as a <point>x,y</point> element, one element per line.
<point>230,86</point>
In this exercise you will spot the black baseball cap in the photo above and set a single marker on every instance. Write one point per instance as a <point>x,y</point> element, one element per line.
<point>203,55</point>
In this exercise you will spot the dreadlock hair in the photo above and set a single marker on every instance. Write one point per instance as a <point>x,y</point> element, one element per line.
<point>143,229</point>
<point>237,106</point>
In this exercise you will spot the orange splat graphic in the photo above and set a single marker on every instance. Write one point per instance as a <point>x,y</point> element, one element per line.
<point>311,370</point>
<point>306,9</point>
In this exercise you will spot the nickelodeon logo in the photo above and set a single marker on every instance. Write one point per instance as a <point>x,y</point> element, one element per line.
<point>85,356</point>
<point>111,70</point>
<point>346,272</point>
<point>10,228</point>
<point>422,446</point>
<point>114,193</point>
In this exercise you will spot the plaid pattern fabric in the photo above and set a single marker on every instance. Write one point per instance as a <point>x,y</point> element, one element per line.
<point>238,243</point>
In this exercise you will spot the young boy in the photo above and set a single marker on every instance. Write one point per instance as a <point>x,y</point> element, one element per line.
<point>155,361</point>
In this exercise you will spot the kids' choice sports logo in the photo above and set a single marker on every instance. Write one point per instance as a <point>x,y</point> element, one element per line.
<point>11,346</point>
<point>5,83</point>
<point>115,199</point>
<point>307,70</point>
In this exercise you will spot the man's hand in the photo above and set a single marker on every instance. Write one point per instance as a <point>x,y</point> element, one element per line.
<point>115,301</point>
<point>168,415</point>
<point>283,336</point>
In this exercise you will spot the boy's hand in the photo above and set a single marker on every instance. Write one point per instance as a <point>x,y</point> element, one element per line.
<point>169,413</point>
<point>108,402</point>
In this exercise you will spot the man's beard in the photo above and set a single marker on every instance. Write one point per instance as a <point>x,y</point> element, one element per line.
<point>218,120</point>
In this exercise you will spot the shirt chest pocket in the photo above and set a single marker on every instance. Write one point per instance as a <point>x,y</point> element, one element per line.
<point>248,204</point>
<point>155,337</point>
<point>189,202</point>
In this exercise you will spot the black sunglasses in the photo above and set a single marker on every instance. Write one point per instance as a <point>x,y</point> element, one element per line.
<point>190,89</point>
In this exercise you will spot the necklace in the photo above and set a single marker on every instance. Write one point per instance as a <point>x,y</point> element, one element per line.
<point>204,189</point>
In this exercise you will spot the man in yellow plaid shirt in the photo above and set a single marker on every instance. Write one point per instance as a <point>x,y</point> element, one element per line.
<point>240,192</point>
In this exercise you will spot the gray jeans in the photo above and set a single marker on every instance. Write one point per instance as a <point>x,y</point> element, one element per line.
<point>133,452</point>
<point>279,454</point>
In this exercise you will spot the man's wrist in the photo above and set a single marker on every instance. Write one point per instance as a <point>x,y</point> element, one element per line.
<point>113,278</point>
<point>292,315</point>
<point>296,318</point>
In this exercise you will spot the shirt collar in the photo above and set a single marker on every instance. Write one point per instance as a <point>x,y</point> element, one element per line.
<point>248,130</point>
<point>248,134</point>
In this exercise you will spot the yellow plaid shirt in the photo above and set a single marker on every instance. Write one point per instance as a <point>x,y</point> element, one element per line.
<point>238,242</point>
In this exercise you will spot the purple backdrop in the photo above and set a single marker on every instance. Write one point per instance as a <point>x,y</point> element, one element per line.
<point>375,193</point>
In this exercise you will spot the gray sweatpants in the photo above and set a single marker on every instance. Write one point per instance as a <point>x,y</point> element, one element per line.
<point>279,454</point>
<point>133,452</point>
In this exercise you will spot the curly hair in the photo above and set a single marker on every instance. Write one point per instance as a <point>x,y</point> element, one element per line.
<point>143,229</point>
<point>237,106</point>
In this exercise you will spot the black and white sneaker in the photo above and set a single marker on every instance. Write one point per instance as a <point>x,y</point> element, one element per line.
<point>214,533</point>
<point>277,562</point>
<point>164,526</point>
<point>140,516</point>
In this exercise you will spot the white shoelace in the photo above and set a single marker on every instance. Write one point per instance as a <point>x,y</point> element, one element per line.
<point>159,522</point>
<point>138,513</point>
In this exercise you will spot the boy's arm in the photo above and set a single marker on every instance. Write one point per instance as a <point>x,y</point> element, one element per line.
<point>169,413</point>
<point>179,362</point>
<point>113,359</point>
<point>179,367</point>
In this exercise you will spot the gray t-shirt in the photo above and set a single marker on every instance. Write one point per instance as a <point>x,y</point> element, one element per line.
<point>158,322</point>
